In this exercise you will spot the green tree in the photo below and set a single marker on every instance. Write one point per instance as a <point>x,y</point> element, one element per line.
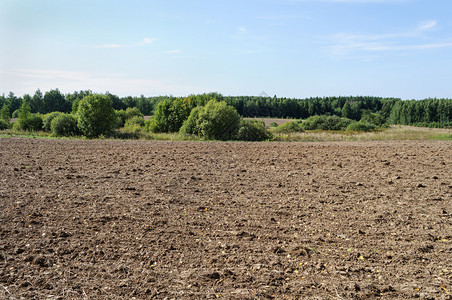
<point>27,120</point>
<point>253,130</point>
<point>218,121</point>
<point>13,101</point>
<point>48,120</point>
<point>64,125</point>
<point>5,113</point>
<point>55,101</point>
<point>37,102</point>
<point>170,114</point>
<point>96,115</point>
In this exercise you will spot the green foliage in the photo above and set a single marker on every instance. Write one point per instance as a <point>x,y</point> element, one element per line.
<point>134,124</point>
<point>24,111</point>
<point>326,123</point>
<point>32,123</point>
<point>253,130</point>
<point>149,125</point>
<point>28,121</point>
<point>123,115</point>
<point>4,124</point>
<point>4,113</point>
<point>54,100</point>
<point>96,115</point>
<point>372,118</point>
<point>274,124</point>
<point>434,111</point>
<point>360,126</point>
<point>133,112</point>
<point>64,125</point>
<point>48,120</point>
<point>15,113</point>
<point>218,121</point>
<point>190,126</point>
<point>289,127</point>
<point>37,102</point>
<point>214,121</point>
<point>170,114</point>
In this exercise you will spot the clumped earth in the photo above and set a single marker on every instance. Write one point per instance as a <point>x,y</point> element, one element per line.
<point>195,220</point>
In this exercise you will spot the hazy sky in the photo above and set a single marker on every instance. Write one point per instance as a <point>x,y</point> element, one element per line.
<point>288,48</point>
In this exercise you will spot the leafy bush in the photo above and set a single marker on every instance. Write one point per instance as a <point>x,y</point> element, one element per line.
<point>326,123</point>
<point>274,124</point>
<point>289,127</point>
<point>96,115</point>
<point>253,130</point>
<point>360,126</point>
<point>123,115</point>
<point>170,114</point>
<point>15,113</point>
<point>134,124</point>
<point>28,121</point>
<point>372,118</point>
<point>64,125</point>
<point>48,120</point>
<point>190,126</point>
<point>3,124</point>
<point>4,113</point>
<point>215,121</point>
<point>149,125</point>
<point>32,123</point>
<point>218,121</point>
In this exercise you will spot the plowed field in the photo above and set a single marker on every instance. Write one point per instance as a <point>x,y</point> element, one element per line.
<point>195,220</point>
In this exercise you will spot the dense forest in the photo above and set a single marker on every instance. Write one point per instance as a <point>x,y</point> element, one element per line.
<point>428,112</point>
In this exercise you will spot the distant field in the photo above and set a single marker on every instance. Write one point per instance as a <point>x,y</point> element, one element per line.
<point>268,121</point>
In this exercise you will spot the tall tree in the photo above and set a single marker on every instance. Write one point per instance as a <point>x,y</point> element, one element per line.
<point>54,100</point>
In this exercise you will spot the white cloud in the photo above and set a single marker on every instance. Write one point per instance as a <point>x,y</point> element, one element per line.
<point>240,33</point>
<point>427,25</point>
<point>175,51</point>
<point>345,44</point>
<point>143,42</point>
<point>23,81</point>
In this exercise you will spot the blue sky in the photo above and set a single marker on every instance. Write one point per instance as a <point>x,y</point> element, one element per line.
<point>288,48</point>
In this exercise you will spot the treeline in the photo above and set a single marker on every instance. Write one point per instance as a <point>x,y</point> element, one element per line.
<point>427,112</point>
<point>54,100</point>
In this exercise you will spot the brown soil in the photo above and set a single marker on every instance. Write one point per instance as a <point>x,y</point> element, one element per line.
<point>195,220</point>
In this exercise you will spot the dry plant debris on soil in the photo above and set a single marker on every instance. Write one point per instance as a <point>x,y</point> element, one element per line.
<point>195,220</point>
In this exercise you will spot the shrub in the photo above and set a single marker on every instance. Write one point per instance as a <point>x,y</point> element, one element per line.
<point>120,118</point>
<point>15,113</point>
<point>288,127</point>
<point>96,115</point>
<point>190,126</point>
<point>253,130</point>
<point>3,124</point>
<point>214,121</point>
<point>123,115</point>
<point>326,123</point>
<point>48,120</point>
<point>32,123</point>
<point>4,113</point>
<point>28,121</point>
<point>218,121</point>
<point>372,118</point>
<point>360,126</point>
<point>134,124</point>
<point>64,125</point>
<point>170,114</point>
<point>149,125</point>
<point>274,124</point>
